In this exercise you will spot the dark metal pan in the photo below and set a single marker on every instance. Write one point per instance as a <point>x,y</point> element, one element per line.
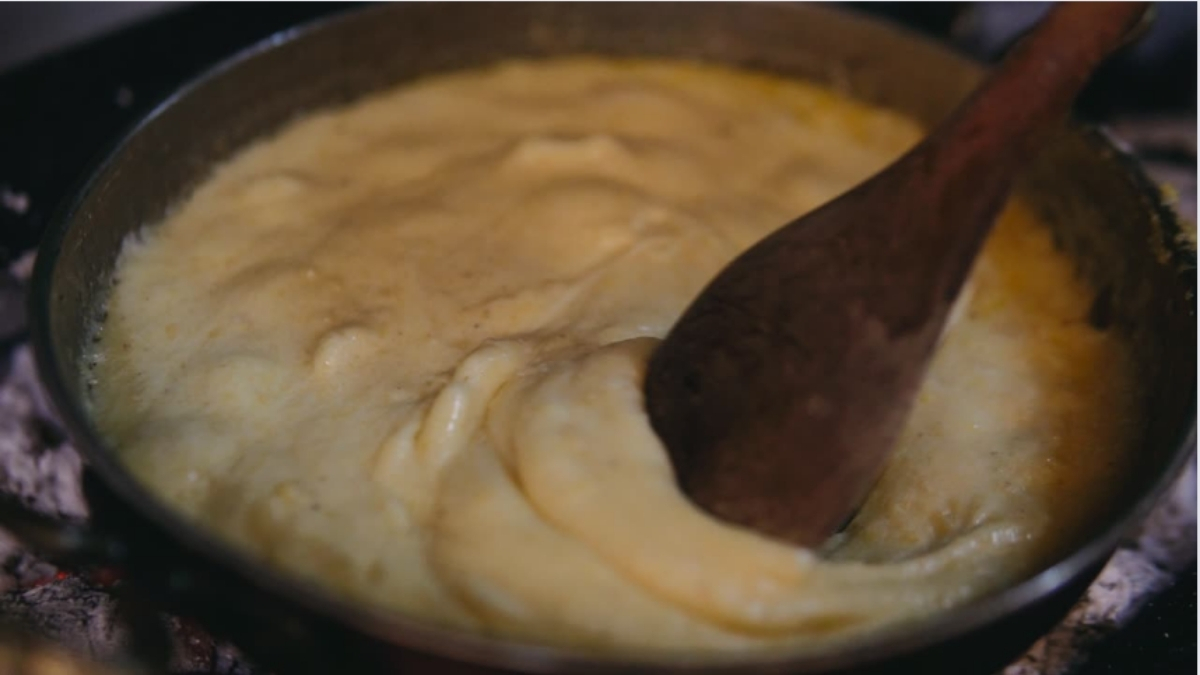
<point>1102,209</point>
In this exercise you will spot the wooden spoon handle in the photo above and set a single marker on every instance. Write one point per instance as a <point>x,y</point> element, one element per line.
<point>969,163</point>
<point>1021,104</point>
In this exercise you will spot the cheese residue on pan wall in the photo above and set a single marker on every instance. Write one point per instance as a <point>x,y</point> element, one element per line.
<point>397,349</point>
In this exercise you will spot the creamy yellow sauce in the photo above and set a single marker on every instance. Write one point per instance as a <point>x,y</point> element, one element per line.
<point>397,348</point>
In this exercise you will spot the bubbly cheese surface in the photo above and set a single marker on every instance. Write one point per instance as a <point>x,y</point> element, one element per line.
<point>397,349</point>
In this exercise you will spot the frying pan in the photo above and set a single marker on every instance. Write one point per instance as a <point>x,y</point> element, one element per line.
<point>1101,209</point>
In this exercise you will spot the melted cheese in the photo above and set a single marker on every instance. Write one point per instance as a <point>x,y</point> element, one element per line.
<point>397,349</point>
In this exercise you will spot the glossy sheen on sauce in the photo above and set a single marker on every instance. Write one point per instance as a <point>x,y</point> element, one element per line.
<point>397,348</point>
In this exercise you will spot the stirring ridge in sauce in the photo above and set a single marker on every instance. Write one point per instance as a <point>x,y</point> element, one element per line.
<point>397,349</point>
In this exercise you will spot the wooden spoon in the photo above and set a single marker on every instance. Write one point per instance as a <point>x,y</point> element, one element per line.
<point>783,387</point>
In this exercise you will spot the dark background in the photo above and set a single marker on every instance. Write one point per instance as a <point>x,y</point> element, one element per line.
<point>73,75</point>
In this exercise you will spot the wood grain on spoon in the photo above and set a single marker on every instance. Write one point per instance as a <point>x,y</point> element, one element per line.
<point>781,390</point>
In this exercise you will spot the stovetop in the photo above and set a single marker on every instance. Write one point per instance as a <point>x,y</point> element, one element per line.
<point>58,115</point>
